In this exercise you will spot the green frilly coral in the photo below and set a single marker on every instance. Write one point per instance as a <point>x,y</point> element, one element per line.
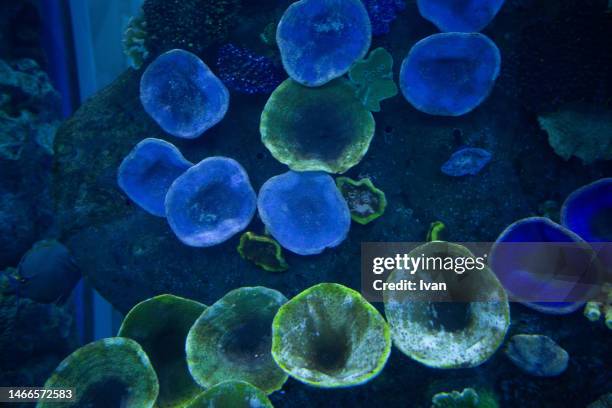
<point>110,372</point>
<point>232,394</point>
<point>232,338</point>
<point>324,128</point>
<point>263,251</point>
<point>468,398</point>
<point>373,78</point>
<point>365,201</point>
<point>330,336</point>
<point>160,325</point>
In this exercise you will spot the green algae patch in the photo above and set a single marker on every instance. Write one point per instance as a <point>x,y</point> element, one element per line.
<point>263,251</point>
<point>231,340</point>
<point>106,373</point>
<point>160,325</point>
<point>365,201</point>
<point>447,334</point>
<point>324,128</point>
<point>330,336</point>
<point>373,79</point>
<point>232,394</point>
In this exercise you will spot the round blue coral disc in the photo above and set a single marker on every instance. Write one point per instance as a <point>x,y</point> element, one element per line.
<point>588,211</point>
<point>464,15</point>
<point>182,94</point>
<point>319,40</point>
<point>146,173</point>
<point>304,212</point>
<point>210,202</point>
<point>450,74</point>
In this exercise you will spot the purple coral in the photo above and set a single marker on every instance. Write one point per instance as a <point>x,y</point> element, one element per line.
<point>246,72</point>
<point>382,13</point>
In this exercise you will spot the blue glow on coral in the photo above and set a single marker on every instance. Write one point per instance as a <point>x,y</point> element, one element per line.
<point>210,202</point>
<point>304,212</point>
<point>450,74</point>
<point>588,211</point>
<point>319,40</point>
<point>464,15</point>
<point>466,161</point>
<point>146,173</point>
<point>182,94</point>
<point>382,13</point>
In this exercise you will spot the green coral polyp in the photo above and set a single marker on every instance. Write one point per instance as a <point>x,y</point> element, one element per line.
<point>110,372</point>
<point>263,251</point>
<point>160,325</point>
<point>373,78</point>
<point>448,334</point>
<point>231,340</point>
<point>330,336</point>
<point>365,201</point>
<point>232,394</point>
<point>310,129</point>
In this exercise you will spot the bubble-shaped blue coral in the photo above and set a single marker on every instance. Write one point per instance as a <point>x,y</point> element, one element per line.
<point>450,74</point>
<point>146,173</point>
<point>246,72</point>
<point>319,40</point>
<point>382,13</point>
<point>182,94</point>
<point>463,16</point>
<point>210,202</point>
<point>466,161</point>
<point>304,212</point>
<point>588,211</point>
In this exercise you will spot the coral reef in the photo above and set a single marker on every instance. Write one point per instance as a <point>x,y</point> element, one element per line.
<point>466,161</point>
<point>325,128</point>
<point>232,394</point>
<point>450,74</point>
<point>160,325</point>
<point>537,355</point>
<point>466,16</point>
<point>443,333</point>
<point>304,212</point>
<point>192,25</point>
<point>330,336</point>
<point>580,131</point>
<point>555,276</point>
<point>146,173</point>
<point>366,202</point>
<point>588,211</point>
<point>231,340</point>
<point>373,78</point>
<point>319,40</point>
<point>382,13</point>
<point>110,372</point>
<point>210,202</point>
<point>243,71</point>
<point>263,251</point>
<point>182,94</point>
<point>134,38</point>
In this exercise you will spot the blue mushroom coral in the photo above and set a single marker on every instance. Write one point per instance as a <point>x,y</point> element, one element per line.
<point>319,40</point>
<point>304,212</point>
<point>210,202</point>
<point>182,94</point>
<point>450,74</point>
<point>147,172</point>
<point>463,16</point>
<point>588,211</point>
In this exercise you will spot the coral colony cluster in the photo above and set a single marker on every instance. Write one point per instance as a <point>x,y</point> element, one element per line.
<point>177,352</point>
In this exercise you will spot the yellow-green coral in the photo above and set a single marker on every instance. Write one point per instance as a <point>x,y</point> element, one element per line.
<point>595,309</point>
<point>468,398</point>
<point>232,394</point>
<point>373,78</point>
<point>263,251</point>
<point>435,231</point>
<point>365,201</point>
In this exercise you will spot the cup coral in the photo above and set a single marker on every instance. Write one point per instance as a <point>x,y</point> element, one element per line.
<point>450,74</point>
<point>146,173</point>
<point>304,212</point>
<point>110,372</point>
<point>588,211</point>
<point>160,325</point>
<point>448,333</point>
<point>231,340</point>
<point>556,275</point>
<point>210,202</point>
<point>325,128</point>
<point>330,336</point>
<point>232,394</point>
<point>182,94</point>
<point>365,201</point>
<point>464,16</point>
<point>319,40</point>
<point>263,251</point>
